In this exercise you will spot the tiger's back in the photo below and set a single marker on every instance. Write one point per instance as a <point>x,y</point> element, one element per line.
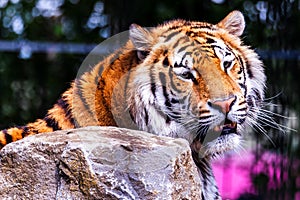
<point>185,79</point>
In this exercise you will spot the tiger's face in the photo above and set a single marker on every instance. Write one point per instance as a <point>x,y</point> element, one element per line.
<point>204,85</point>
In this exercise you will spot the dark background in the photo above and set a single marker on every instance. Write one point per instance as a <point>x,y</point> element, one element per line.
<point>31,80</point>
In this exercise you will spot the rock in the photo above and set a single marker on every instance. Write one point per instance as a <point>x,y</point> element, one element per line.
<point>98,163</point>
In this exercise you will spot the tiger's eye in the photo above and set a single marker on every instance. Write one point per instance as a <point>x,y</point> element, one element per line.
<point>226,64</point>
<point>186,75</point>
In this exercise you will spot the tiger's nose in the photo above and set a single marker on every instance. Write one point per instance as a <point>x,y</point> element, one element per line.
<point>223,105</point>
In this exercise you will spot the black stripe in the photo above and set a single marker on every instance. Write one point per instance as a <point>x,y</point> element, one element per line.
<point>170,36</point>
<point>152,82</point>
<point>210,41</point>
<point>202,195</point>
<point>165,52</point>
<point>153,89</point>
<point>203,26</point>
<point>24,130</point>
<point>166,62</point>
<point>8,137</point>
<point>241,62</point>
<point>174,115</point>
<point>116,57</point>
<point>113,58</point>
<point>173,86</point>
<point>249,71</point>
<point>66,107</point>
<point>174,101</point>
<point>241,121</point>
<point>175,27</point>
<point>239,72</point>
<point>203,164</point>
<point>99,74</point>
<point>198,33</point>
<point>52,123</point>
<point>106,104</point>
<point>257,94</point>
<point>185,38</point>
<point>82,98</point>
<point>187,54</point>
<point>241,103</point>
<point>162,78</point>
<point>243,71</point>
<point>216,46</point>
<point>183,48</point>
<point>202,134</point>
<point>168,119</point>
<point>179,25</point>
<point>191,33</point>
<point>156,60</point>
<point>201,112</point>
<point>146,117</point>
<point>242,85</point>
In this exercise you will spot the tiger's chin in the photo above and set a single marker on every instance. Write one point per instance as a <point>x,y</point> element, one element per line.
<point>221,145</point>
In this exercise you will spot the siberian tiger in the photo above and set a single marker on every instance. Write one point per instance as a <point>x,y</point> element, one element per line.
<point>192,80</point>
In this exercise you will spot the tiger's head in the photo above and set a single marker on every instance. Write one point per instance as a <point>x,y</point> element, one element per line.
<point>197,81</point>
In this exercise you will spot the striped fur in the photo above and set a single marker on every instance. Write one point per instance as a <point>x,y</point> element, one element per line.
<point>185,79</point>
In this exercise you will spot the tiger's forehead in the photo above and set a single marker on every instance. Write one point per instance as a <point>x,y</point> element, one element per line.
<point>188,28</point>
<point>187,25</point>
<point>180,32</point>
<point>186,49</point>
<point>206,34</point>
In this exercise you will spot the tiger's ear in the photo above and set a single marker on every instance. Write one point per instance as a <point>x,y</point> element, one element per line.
<point>234,23</point>
<point>141,39</point>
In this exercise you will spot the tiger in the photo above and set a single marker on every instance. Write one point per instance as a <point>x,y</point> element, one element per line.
<point>182,79</point>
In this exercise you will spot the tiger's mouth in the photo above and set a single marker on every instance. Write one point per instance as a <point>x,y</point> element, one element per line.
<point>228,127</point>
<point>217,140</point>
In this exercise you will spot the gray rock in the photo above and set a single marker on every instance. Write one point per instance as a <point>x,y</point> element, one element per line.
<point>98,163</point>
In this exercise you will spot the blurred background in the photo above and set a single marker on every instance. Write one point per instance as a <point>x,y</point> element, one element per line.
<point>43,43</point>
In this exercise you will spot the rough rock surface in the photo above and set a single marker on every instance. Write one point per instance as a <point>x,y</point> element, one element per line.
<point>98,163</point>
